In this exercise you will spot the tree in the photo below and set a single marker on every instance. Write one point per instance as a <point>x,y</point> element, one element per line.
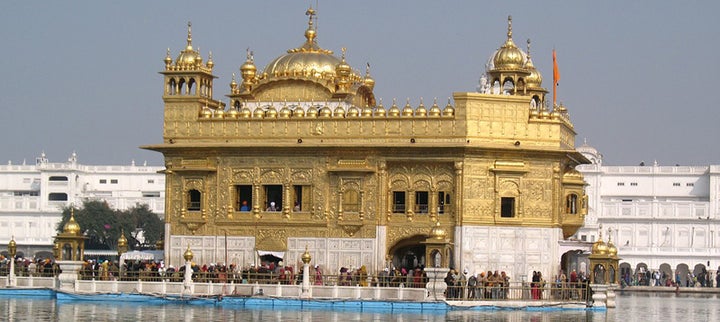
<point>103,225</point>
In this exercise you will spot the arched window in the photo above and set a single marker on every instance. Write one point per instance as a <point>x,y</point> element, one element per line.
<point>571,204</point>
<point>194,198</point>
<point>351,201</point>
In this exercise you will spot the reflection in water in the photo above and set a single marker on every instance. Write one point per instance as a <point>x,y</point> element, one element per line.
<point>650,307</point>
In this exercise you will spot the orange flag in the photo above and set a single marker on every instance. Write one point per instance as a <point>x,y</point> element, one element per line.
<point>556,77</point>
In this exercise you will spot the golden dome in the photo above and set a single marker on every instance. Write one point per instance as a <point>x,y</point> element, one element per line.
<point>421,110</point>
<point>435,109</point>
<point>298,112</point>
<point>325,112</point>
<point>122,241</point>
<point>449,110</point>
<point>339,111</point>
<point>367,111</point>
<point>245,112</point>
<point>219,113</point>
<point>509,56</point>
<point>612,250</point>
<point>189,57</point>
<point>407,109</point>
<point>206,112</point>
<point>312,112</point>
<point>438,232</point>
<point>353,111</point>
<point>368,81</point>
<point>232,113</point>
<point>380,110</point>
<point>285,112</point>
<point>534,79</point>
<point>71,227</point>
<point>394,111</point>
<point>271,112</point>
<point>248,69</point>
<point>599,247</point>
<point>259,113</point>
<point>307,60</point>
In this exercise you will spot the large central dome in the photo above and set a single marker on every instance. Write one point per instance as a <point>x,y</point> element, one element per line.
<point>308,59</point>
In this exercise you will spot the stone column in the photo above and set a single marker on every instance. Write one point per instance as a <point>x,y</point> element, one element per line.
<point>306,258</point>
<point>610,302</point>
<point>436,283</point>
<point>69,276</point>
<point>599,295</point>
<point>187,281</point>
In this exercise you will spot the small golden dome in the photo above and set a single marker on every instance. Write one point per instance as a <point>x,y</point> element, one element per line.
<point>449,109</point>
<point>394,111</point>
<point>205,112</point>
<point>271,112</point>
<point>599,247</point>
<point>298,112</point>
<point>534,79</point>
<point>407,109</point>
<point>435,109</point>
<point>210,64</point>
<point>368,81</point>
<point>312,112</point>
<point>343,69</point>
<point>325,112</point>
<point>248,69</point>
<point>367,111</point>
<point>438,232</point>
<point>71,227</point>
<point>509,56</point>
<point>612,250</point>
<point>12,243</point>
<point>245,112</point>
<point>168,60</point>
<point>219,113</point>
<point>339,111</point>
<point>353,112</point>
<point>232,113</point>
<point>421,110</point>
<point>258,113</point>
<point>122,241</point>
<point>380,110</point>
<point>285,112</point>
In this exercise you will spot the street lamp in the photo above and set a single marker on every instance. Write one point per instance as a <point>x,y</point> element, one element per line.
<point>12,249</point>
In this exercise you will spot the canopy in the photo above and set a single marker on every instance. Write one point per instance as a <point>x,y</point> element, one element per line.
<point>280,255</point>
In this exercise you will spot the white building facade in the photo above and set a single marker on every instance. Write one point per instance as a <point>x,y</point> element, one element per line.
<point>661,218</point>
<point>32,196</point>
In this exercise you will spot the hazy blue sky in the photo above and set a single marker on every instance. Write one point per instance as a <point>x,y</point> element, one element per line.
<point>636,76</point>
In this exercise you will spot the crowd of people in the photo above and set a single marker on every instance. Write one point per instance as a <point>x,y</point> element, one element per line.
<point>29,266</point>
<point>646,277</point>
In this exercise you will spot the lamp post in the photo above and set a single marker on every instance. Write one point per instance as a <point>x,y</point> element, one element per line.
<point>12,250</point>
<point>187,282</point>
<point>306,258</point>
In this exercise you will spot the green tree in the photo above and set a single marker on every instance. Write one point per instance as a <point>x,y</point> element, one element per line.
<point>103,225</point>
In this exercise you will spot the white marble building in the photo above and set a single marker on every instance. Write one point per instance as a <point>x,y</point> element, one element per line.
<point>659,217</point>
<point>32,195</point>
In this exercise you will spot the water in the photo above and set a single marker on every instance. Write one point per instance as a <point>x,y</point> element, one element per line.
<point>630,307</point>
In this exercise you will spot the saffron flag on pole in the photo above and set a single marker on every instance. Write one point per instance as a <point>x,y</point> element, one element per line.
<point>556,77</point>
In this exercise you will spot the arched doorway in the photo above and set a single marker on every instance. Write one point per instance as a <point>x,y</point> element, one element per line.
<point>574,260</point>
<point>681,274</point>
<point>665,274</point>
<point>408,253</point>
<point>626,274</point>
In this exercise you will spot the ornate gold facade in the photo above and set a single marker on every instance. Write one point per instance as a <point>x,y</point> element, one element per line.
<point>307,135</point>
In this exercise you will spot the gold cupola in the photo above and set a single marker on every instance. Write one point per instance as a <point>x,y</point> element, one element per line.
<point>71,227</point>
<point>189,58</point>
<point>248,71</point>
<point>509,56</point>
<point>534,79</point>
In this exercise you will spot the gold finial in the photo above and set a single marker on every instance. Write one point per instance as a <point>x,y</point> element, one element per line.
<point>528,48</point>
<point>509,33</point>
<point>188,255</point>
<point>168,59</point>
<point>189,38</point>
<point>344,50</point>
<point>310,13</point>
<point>306,258</point>
<point>249,54</point>
<point>367,69</point>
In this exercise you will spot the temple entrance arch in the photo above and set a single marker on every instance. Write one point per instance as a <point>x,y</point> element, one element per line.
<point>574,260</point>
<point>408,253</point>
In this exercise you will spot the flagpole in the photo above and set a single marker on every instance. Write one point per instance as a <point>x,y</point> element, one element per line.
<point>556,77</point>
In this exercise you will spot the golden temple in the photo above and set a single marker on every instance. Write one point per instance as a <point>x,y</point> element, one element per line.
<point>305,156</point>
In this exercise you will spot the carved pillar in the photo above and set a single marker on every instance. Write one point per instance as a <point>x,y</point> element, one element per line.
<point>256,200</point>
<point>361,213</point>
<point>382,193</point>
<point>340,204</point>
<point>433,205</point>
<point>286,201</point>
<point>410,206</point>
<point>457,203</point>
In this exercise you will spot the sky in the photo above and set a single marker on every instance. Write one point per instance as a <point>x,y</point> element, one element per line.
<point>637,77</point>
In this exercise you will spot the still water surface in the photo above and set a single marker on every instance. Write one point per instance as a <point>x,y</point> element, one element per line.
<point>630,307</point>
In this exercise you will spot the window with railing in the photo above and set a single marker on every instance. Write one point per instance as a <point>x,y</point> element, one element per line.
<point>421,202</point>
<point>194,200</point>
<point>398,202</point>
<point>243,197</point>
